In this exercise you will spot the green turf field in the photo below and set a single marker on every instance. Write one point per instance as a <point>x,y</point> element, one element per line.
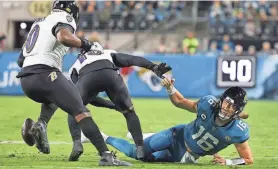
<point>155,115</point>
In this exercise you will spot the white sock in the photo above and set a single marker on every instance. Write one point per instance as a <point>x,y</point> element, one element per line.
<point>84,139</point>
<point>105,136</point>
<point>145,135</point>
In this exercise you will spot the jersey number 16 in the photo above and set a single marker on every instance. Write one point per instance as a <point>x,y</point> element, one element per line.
<point>203,141</point>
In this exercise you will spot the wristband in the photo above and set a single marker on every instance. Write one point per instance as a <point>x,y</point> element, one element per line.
<point>229,162</point>
<point>235,161</point>
<point>172,91</point>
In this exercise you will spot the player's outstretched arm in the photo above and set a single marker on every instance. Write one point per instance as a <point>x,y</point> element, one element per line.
<point>125,60</point>
<point>245,153</point>
<point>177,98</point>
<point>65,36</point>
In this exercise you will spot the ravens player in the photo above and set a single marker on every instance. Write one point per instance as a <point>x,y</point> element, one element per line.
<point>116,59</point>
<point>214,129</point>
<point>98,73</point>
<point>42,80</point>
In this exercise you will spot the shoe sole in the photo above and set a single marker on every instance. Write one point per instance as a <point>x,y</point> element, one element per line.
<point>76,156</point>
<point>109,164</point>
<point>42,146</point>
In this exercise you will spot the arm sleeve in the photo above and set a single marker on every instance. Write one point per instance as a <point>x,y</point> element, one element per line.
<point>125,60</point>
<point>100,102</point>
<point>20,59</point>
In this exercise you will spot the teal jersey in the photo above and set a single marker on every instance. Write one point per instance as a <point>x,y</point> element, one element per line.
<point>204,137</point>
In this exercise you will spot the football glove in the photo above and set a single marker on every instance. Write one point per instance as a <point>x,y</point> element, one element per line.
<point>85,45</point>
<point>161,69</point>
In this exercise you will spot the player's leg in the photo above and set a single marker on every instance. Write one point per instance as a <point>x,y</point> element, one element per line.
<point>118,94</point>
<point>145,135</point>
<point>154,145</point>
<point>47,111</point>
<point>83,85</point>
<point>35,87</point>
<point>66,96</point>
<point>75,132</point>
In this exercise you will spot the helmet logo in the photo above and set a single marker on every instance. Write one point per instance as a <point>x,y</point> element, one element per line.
<point>69,18</point>
<point>228,139</point>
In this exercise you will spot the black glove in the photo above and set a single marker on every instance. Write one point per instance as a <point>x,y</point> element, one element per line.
<point>161,69</point>
<point>85,45</point>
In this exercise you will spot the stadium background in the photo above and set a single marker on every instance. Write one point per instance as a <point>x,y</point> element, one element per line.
<point>190,36</point>
<point>210,45</point>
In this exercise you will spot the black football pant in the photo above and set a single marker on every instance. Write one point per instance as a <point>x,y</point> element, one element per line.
<point>54,87</point>
<point>110,81</point>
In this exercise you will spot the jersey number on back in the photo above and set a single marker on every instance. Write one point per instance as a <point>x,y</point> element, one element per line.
<point>32,38</point>
<point>203,141</point>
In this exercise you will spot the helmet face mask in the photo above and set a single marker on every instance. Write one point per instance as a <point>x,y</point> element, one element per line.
<point>232,103</point>
<point>227,109</point>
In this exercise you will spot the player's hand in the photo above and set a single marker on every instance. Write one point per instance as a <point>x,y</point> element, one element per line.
<point>85,45</point>
<point>161,69</point>
<point>217,159</point>
<point>168,83</point>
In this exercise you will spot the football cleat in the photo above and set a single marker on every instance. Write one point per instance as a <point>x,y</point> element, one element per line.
<point>39,133</point>
<point>110,159</point>
<point>77,151</point>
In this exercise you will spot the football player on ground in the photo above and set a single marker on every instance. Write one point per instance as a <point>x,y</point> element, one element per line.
<point>42,80</point>
<point>216,127</point>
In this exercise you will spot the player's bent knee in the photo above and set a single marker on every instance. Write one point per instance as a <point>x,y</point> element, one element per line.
<point>81,116</point>
<point>129,110</point>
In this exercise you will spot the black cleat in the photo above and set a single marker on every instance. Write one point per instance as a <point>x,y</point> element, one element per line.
<point>39,133</point>
<point>77,151</point>
<point>140,152</point>
<point>109,159</point>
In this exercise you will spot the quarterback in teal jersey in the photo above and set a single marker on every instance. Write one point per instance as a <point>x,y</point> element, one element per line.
<point>218,125</point>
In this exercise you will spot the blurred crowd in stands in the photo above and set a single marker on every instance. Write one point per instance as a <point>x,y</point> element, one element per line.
<point>240,21</point>
<point>127,15</point>
<point>244,18</point>
<point>235,27</point>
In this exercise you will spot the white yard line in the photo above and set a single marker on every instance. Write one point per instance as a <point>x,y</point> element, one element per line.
<point>60,167</point>
<point>22,142</point>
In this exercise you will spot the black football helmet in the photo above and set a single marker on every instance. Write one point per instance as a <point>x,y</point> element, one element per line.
<point>237,97</point>
<point>67,6</point>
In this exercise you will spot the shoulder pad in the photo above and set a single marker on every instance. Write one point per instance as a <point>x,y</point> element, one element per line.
<point>239,131</point>
<point>206,104</point>
<point>65,18</point>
